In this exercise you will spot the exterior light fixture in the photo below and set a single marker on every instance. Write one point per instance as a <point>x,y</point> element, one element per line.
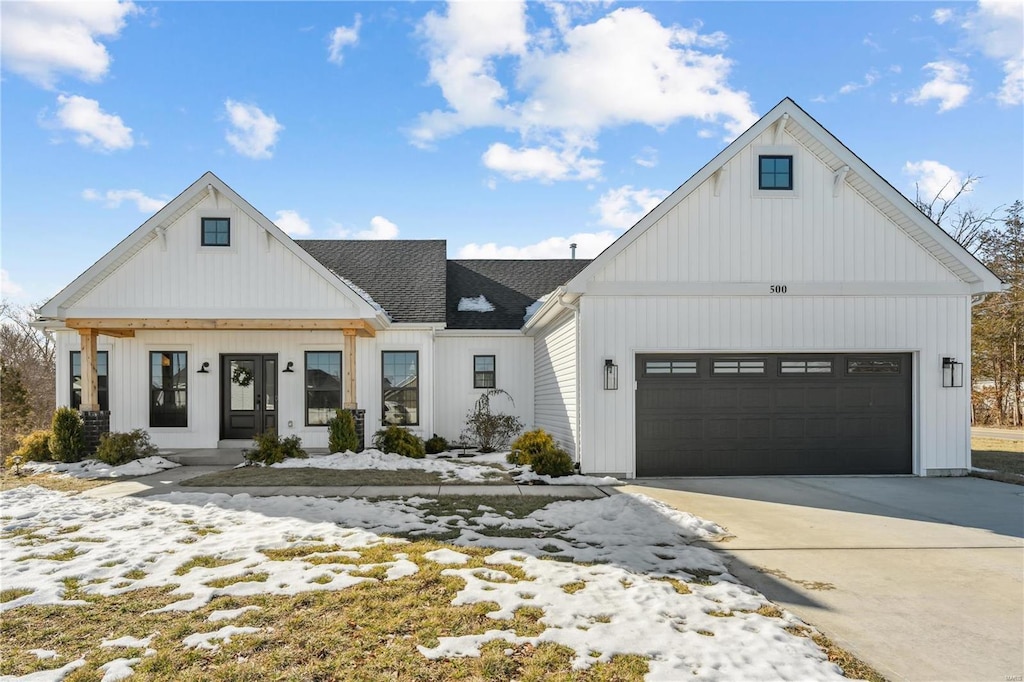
<point>611,375</point>
<point>205,369</point>
<point>952,373</point>
<point>288,368</point>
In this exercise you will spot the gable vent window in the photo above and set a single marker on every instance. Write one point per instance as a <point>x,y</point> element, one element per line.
<point>738,367</point>
<point>216,231</point>
<point>775,172</point>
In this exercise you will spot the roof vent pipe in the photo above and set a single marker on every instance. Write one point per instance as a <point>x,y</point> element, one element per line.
<point>572,248</point>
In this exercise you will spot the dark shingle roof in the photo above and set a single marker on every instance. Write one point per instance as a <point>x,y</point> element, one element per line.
<point>405,276</point>
<point>509,285</point>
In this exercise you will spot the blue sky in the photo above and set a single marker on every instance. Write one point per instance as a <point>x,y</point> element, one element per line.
<point>509,129</point>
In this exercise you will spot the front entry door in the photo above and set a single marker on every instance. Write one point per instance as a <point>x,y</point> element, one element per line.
<point>248,395</point>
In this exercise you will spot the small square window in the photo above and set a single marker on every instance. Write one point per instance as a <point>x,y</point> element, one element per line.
<point>483,371</point>
<point>775,172</point>
<point>216,232</point>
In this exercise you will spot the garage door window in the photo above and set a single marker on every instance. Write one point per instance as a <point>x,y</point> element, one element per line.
<point>801,367</point>
<point>732,367</point>
<point>661,368</point>
<point>873,366</point>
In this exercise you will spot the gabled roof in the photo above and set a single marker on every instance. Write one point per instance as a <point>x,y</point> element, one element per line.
<point>509,285</point>
<point>150,230</point>
<point>405,276</point>
<point>861,177</point>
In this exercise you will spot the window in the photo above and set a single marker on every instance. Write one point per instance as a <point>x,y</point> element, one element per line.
<point>775,172</point>
<point>738,367</point>
<point>168,388</point>
<point>483,371</point>
<point>401,387</point>
<point>790,367</point>
<point>873,366</point>
<point>102,379</point>
<point>323,386</point>
<point>216,231</point>
<point>666,367</point>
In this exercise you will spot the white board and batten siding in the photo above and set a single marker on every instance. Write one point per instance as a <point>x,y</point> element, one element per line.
<point>555,367</point>
<point>129,378</point>
<point>845,277</point>
<point>454,395</point>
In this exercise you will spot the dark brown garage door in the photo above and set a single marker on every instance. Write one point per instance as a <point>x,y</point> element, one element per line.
<point>746,415</point>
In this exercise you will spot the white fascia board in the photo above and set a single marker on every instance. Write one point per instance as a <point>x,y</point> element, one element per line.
<point>558,303</point>
<point>54,308</point>
<point>481,333</point>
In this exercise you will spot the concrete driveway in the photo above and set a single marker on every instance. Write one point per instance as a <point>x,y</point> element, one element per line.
<point>919,577</point>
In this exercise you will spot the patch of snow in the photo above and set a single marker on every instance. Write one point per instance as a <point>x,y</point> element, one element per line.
<point>446,556</point>
<point>204,640</point>
<point>528,476</point>
<point>387,461</point>
<point>128,642</point>
<point>43,654</point>
<point>118,669</point>
<point>55,675</point>
<point>363,295</point>
<point>479,304</point>
<point>230,614</point>
<point>93,468</point>
<point>532,309</point>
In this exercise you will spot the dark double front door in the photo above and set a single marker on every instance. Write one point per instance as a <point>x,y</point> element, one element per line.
<point>248,395</point>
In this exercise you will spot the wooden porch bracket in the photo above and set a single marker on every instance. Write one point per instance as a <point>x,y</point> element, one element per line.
<point>349,399</point>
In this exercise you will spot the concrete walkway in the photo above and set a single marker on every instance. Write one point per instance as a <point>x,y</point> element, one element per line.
<point>919,577</point>
<point>170,481</point>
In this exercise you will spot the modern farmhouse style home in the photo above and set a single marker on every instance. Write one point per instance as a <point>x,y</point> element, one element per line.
<point>785,311</point>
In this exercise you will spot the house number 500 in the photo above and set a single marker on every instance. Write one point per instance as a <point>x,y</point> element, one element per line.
<point>778,288</point>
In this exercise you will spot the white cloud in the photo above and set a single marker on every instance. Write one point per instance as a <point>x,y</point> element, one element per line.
<point>380,228</point>
<point>42,40</point>
<point>648,157</point>
<point>622,207</point>
<point>942,15</point>
<point>947,85</point>
<point>540,163</point>
<point>342,37</point>
<point>870,78</point>
<point>997,29</point>
<point>293,224</point>
<point>94,127</point>
<point>571,83</point>
<point>933,179</point>
<point>115,197</point>
<point>588,245</point>
<point>253,132</point>
<point>9,289</point>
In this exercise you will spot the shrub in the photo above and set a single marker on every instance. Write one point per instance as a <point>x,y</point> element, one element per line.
<point>272,449</point>
<point>35,447</point>
<point>66,443</point>
<point>341,432</point>
<point>553,461</point>
<point>435,445</point>
<point>529,444</point>
<point>490,431</point>
<point>121,448</point>
<point>400,441</point>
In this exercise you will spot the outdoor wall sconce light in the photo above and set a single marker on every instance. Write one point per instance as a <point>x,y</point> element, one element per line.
<point>288,368</point>
<point>205,369</point>
<point>952,373</point>
<point>611,375</point>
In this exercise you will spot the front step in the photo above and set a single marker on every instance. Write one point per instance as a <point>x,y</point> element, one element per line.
<point>227,456</point>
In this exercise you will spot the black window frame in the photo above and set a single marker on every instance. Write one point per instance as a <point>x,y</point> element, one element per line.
<point>718,373</point>
<point>809,369</point>
<point>202,231</point>
<point>386,391</point>
<point>479,374</point>
<point>677,368</point>
<point>154,391</point>
<point>761,173</point>
<point>307,390</point>
<point>879,370</point>
<point>102,380</point>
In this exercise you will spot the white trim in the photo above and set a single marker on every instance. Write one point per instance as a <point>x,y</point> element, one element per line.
<point>793,289</point>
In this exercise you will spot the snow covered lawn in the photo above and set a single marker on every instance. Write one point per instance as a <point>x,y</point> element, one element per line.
<point>192,586</point>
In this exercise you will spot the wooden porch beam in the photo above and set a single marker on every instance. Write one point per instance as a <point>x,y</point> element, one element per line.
<point>349,399</point>
<point>127,326</point>
<point>90,382</point>
<point>117,333</point>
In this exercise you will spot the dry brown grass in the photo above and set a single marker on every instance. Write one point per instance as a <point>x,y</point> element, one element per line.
<point>1004,459</point>
<point>851,666</point>
<point>66,484</point>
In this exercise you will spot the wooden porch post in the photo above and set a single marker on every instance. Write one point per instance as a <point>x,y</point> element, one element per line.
<point>90,383</point>
<point>349,399</point>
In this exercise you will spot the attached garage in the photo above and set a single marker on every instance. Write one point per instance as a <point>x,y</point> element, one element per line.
<point>784,414</point>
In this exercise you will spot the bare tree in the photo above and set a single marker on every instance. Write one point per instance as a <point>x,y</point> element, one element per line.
<point>969,226</point>
<point>27,375</point>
